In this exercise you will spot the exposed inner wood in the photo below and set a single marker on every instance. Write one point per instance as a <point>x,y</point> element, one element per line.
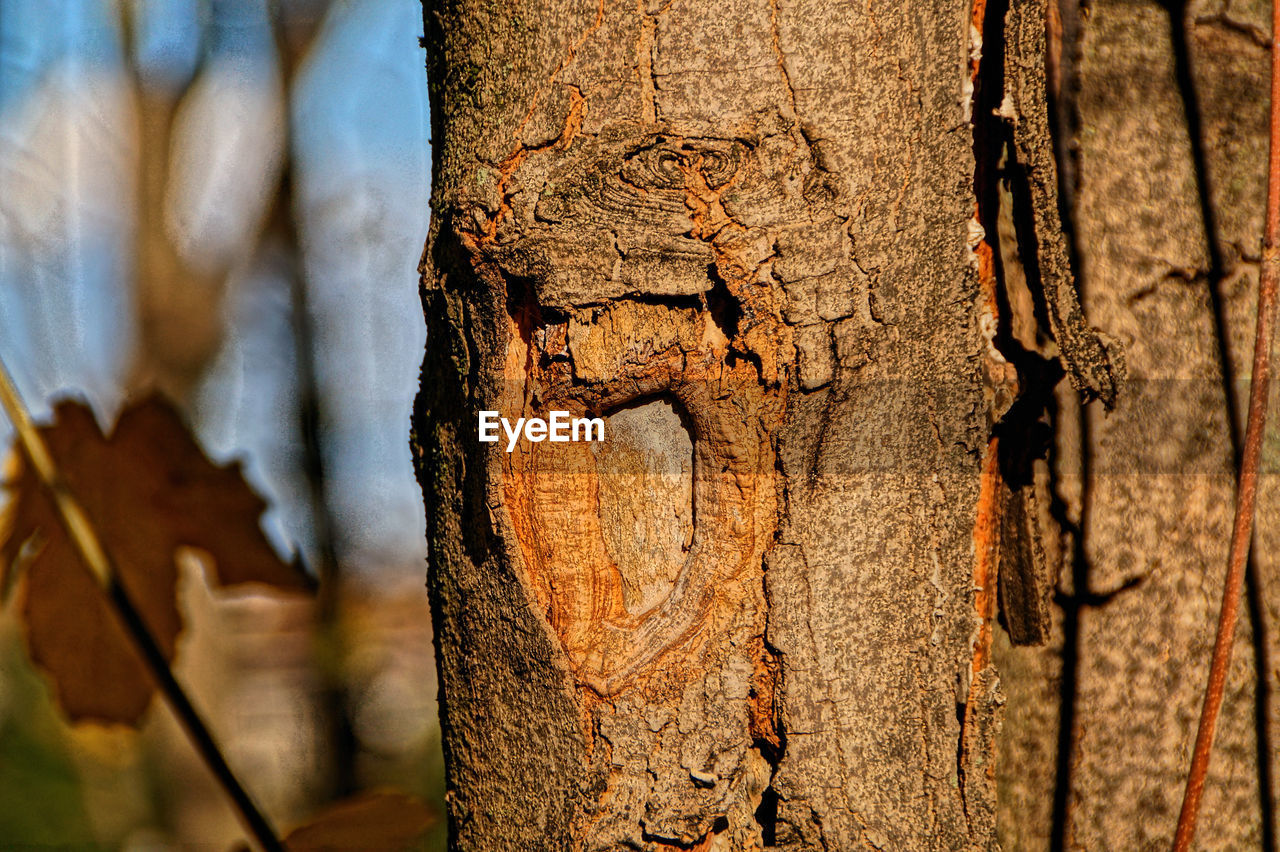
<point>567,501</point>
<point>645,471</point>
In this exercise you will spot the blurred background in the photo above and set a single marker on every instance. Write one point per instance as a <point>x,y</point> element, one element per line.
<point>226,200</point>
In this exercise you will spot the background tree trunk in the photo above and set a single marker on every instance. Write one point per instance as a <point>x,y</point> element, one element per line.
<point>1165,109</point>
<point>760,616</point>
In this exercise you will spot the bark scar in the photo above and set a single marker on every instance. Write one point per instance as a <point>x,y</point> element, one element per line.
<point>630,352</point>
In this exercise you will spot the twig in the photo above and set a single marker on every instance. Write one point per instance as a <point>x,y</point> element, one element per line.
<point>95,558</point>
<point>1246,490</point>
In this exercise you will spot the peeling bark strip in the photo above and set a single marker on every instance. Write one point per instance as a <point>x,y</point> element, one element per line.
<point>1094,363</point>
<point>738,233</point>
<point>1016,222</point>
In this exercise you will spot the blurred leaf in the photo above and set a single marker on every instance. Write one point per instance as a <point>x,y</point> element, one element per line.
<point>388,822</point>
<point>149,491</point>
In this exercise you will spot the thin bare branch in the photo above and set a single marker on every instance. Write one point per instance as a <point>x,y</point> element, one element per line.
<point>1246,491</point>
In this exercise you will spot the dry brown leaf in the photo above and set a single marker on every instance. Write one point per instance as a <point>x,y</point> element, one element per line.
<point>388,822</point>
<point>149,491</point>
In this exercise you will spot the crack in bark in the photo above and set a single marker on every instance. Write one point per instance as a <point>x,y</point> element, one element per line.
<point>782,60</point>
<point>645,48</point>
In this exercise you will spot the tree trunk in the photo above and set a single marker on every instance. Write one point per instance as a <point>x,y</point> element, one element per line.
<point>1165,106</point>
<point>759,615</point>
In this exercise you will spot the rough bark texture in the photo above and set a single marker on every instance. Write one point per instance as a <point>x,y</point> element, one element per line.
<point>1168,113</point>
<point>744,233</point>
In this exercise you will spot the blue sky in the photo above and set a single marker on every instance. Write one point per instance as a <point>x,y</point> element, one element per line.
<point>357,125</point>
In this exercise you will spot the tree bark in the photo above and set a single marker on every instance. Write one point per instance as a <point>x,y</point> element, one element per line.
<point>1165,108</point>
<point>760,616</point>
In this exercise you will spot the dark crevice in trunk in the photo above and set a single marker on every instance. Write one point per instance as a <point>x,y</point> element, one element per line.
<point>767,816</point>
<point>990,137</point>
<point>996,163</point>
<point>1024,224</point>
<point>673,301</point>
<point>720,824</point>
<point>523,306</point>
<point>961,707</point>
<point>772,743</point>
<point>724,309</point>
